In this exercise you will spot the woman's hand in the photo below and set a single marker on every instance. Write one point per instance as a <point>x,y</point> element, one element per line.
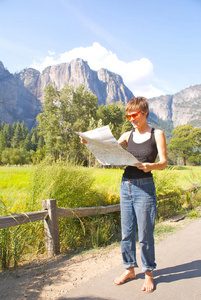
<point>146,167</point>
<point>83,141</point>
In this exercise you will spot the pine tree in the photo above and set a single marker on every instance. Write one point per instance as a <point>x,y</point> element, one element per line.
<point>17,137</point>
<point>41,142</point>
<point>34,141</point>
<point>24,130</point>
<point>27,143</point>
<point>8,134</point>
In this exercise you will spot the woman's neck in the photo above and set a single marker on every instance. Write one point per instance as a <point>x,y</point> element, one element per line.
<point>144,128</point>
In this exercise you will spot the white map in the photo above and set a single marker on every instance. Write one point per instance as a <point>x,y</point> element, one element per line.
<point>105,147</point>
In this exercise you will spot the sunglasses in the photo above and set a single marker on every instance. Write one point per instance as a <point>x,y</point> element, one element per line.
<point>134,116</point>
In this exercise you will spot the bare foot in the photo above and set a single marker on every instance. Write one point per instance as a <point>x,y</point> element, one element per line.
<point>126,276</point>
<point>148,285</point>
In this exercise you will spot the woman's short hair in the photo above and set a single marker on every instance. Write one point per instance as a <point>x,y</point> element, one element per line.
<point>138,103</point>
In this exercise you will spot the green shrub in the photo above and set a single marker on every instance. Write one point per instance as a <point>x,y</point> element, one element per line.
<point>72,186</point>
<point>168,193</point>
<point>193,214</point>
<point>166,183</point>
<point>172,197</point>
<point>18,240</point>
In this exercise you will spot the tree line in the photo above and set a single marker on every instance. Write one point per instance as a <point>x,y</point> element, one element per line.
<point>70,110</point>
<point>19,146</point>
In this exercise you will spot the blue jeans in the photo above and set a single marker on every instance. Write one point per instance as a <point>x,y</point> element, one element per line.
<point>138,209</point>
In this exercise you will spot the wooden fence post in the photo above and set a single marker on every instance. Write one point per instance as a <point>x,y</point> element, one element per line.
<point>51,227</point>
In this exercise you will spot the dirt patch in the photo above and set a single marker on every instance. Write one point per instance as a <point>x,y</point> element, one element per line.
<point>51,278</point>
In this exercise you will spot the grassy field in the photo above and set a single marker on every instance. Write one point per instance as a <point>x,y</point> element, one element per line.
<point>16,182</point>
<point>108,179</point>
<point>186,176</point>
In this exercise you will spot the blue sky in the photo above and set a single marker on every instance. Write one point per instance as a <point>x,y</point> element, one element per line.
<point>155,45</point>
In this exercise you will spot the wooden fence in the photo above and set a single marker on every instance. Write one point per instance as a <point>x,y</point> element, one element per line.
<point>50,214</point>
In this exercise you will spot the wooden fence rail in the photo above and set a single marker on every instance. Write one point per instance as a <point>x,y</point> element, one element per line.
<point>18,219</point>
<point>50,214</point>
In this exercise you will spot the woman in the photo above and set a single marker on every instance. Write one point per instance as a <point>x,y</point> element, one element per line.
<point>138,200</point>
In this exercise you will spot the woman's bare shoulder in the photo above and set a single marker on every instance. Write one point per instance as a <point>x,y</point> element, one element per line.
<point>160,137</point>
<point>123,140</point>
<point>158,133</point>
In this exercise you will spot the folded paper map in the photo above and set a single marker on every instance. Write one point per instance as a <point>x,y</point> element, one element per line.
<point>104,146</point>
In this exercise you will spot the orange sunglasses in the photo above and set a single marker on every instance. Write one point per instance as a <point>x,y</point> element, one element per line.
<point>134,116</point>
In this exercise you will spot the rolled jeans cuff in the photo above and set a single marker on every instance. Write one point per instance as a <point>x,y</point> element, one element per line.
<point>130,265</point>
<point>148,269</point>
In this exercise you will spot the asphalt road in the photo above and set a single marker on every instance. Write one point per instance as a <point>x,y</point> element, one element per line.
<point>177,277</point>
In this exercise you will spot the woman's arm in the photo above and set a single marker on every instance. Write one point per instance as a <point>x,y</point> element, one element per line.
<point>162,153</point>
<point>123,140</point>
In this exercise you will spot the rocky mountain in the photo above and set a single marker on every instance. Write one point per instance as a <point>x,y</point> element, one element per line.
<point>17,102</point>
<point>21,94</point>
<point>182,108</point>
<point>107,86</point>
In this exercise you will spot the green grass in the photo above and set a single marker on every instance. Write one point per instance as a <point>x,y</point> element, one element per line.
<point>15,182</point>
<point>15,179</point>
<point>107,179</point>
<point>193,214</point>
<point>163,230</point>
<point>186,176</point>
<point>181,178</point>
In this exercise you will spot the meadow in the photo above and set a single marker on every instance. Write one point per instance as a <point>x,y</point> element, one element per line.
<point>23,188</point>
<point>16,182</point>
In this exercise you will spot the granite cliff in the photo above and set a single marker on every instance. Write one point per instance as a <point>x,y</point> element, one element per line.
<point>182,108</point>
<point>107,86</point>
<point>17,100</point>
<point>21,94</point>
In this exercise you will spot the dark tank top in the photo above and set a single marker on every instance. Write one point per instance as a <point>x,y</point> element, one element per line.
<point>144,152</point>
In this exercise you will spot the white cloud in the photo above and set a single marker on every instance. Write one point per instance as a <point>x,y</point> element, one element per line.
<point>137,74</point>
<point>51,52</point>
<point>48,61</point>
<point>147,90</point>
